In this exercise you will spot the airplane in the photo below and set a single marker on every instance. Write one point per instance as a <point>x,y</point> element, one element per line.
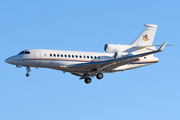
<point>86,65</point>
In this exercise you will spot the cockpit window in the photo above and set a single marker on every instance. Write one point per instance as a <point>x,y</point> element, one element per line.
<point>22,52</point>
<point>27,52</point>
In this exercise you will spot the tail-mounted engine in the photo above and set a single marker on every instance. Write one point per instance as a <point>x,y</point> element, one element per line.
<point>112,48</point>
<point>116,49</point>
<point>116,55</point>
<point>119,54</point>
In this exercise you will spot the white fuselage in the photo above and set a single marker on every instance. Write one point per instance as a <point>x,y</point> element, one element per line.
<point>60,59</point>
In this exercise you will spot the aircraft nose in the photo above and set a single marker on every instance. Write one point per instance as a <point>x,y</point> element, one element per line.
<point>9,60</point>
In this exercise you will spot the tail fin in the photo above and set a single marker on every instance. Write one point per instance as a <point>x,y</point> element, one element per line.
<point>147,36</point>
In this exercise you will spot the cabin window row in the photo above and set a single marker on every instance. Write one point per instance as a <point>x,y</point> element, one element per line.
<point>75,56</point>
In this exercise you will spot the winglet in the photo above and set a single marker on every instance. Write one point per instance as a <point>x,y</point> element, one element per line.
<point>162,47</point>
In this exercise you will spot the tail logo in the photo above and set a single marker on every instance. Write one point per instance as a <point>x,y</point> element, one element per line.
<point>145,37</point>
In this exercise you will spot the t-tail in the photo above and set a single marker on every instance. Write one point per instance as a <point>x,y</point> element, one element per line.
<point>146,37</point>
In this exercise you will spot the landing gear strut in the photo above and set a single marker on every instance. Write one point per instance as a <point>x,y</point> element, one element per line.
<point>28,70</point>
<point>87,80</point>
<point>99,76</point>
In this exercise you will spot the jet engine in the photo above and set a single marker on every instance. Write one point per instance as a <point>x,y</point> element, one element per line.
<point>119,54</point>
<point>112,48</point>
<point>116,49</point>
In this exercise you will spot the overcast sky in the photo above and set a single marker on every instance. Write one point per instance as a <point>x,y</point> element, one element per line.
<point>147,93</point>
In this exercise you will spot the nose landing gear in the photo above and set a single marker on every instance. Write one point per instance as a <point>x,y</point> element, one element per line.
<point>27,74</point>
<point>28,70</point>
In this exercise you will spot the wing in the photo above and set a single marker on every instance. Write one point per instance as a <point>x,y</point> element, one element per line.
<point>150,46</point>
<point>113,63</point>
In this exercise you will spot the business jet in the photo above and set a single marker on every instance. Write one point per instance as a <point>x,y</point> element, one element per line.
<point>86,65</point>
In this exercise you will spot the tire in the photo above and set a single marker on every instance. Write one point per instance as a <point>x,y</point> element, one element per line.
<point>87,80</point>
<point>99,76</point>
<point>27,75</point>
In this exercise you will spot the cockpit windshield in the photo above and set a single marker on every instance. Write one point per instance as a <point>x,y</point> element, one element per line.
<point>27,52</point>
<point>24,52</point>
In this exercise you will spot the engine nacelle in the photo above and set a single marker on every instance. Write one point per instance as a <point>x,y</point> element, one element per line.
<point>119,54</point>
<point>116,49</point>
<point>112,48</point>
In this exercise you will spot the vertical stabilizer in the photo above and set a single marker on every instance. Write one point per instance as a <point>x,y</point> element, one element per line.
<point>147,36</point>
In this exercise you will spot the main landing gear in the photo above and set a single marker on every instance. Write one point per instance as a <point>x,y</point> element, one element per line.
<point>28,70</point>
<point>88,80</point>
<point>99,76</point>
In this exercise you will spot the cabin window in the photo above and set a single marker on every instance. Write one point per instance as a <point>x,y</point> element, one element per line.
<point>50,55</point>
<point>76,56</point>
<point>84,56</point>
<point>88,57</point>
<point>54,55</point>
<point>91,57</point>
<point>61,55</point>
<point>72,56</point>
<point>95,57</point>
<point>27,52</point>
<point>69,56</point>
<point>65,55</point>
<point>98,57</point>
<point>80,56</point>
<point>58,55</point>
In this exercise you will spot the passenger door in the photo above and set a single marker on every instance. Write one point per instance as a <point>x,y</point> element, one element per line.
<point>37,57</point>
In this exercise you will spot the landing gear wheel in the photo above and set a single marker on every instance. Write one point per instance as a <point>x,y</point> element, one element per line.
<point>99,76</point>
<point>28,70</point>
<point>87,80</point>
<point>27,75</point>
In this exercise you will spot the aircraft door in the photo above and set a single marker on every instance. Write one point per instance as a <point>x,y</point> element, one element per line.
<point>37,57</point>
